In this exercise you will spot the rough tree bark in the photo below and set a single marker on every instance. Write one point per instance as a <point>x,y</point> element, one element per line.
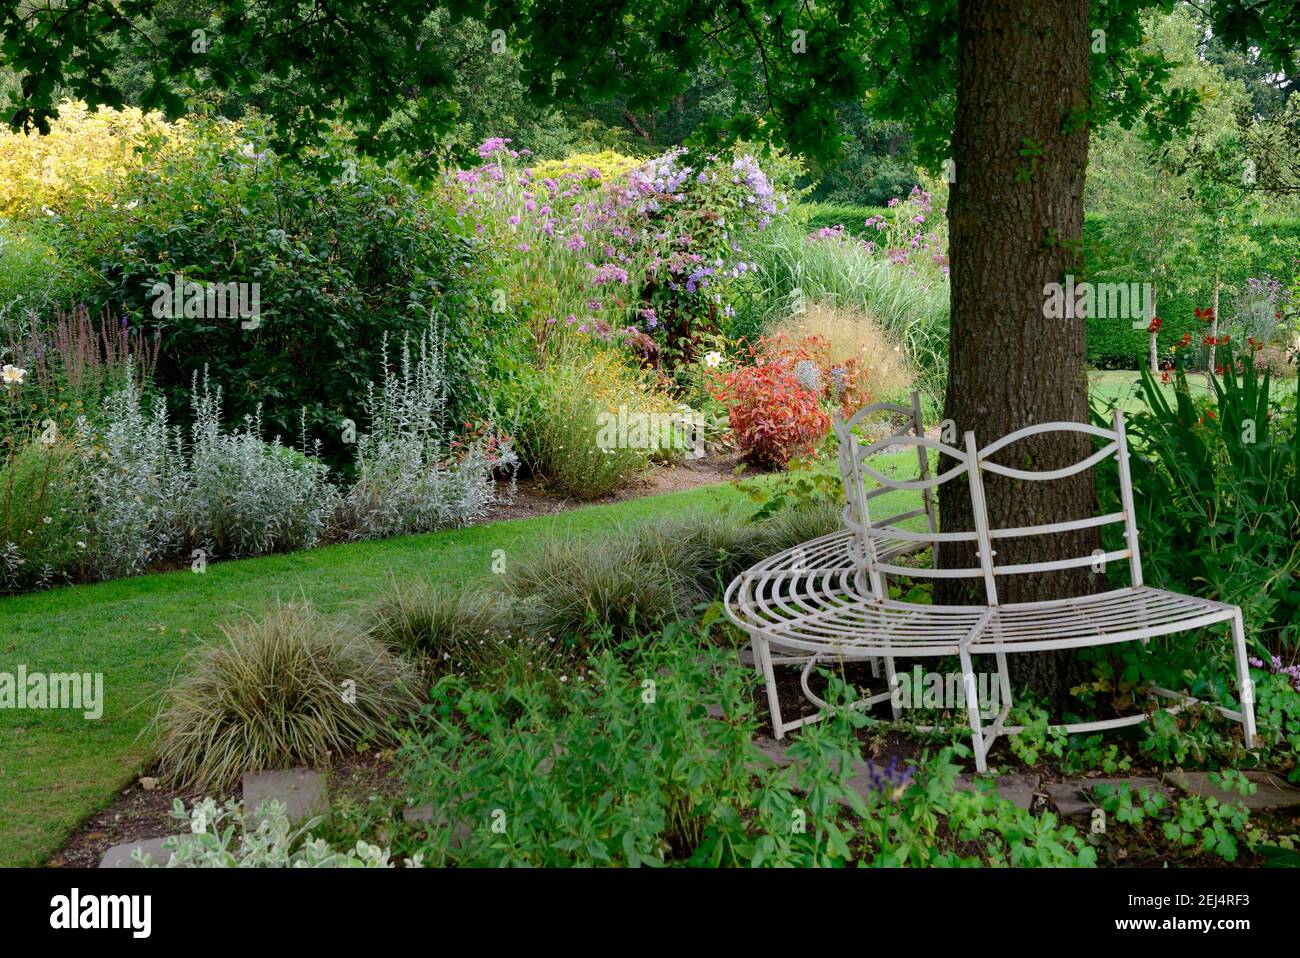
<point>1016,224</point>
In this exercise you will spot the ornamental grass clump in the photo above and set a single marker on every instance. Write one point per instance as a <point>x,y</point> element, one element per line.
<point>283,689</point>
<point>578,424</point>
<point>592,591</point>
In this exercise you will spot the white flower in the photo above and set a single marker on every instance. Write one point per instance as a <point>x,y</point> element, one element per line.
<point>713,359</point>
<point>80,544</point>
<point>13,375</point>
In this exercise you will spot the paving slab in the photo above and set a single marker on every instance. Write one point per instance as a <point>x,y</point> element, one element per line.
<point>119,856</point>
<point>429,815</point>
<point>1272,791</point>
<point>303,791</point>
<point>1017,789</point>
<point>1071,797</point>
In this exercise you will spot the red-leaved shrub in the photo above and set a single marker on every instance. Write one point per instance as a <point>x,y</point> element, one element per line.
<point>773,417</point>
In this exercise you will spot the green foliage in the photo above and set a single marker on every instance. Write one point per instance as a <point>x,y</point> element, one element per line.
<point>632,583</point>
<point>1114,344</point>
<point>43,529</point>
<point>650,760</point>
<point>874,165</point>
<point>33,274</point>
<point>852,217</point>
<point>286,688</point>
<point>1218,486</point>
<point>596,591</point>
<point>567,416</point>
<point>337,266</point>
<point>471,633</point>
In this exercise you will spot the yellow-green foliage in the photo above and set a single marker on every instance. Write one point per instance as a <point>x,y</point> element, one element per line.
<point>570,403</point>
<point>85,157</point>
<point>579,166</point>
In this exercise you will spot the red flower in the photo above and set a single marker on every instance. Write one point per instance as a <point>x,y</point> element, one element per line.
<point>1207,340</point>
<point>1164,376</point>
<point>1223,340</point>
<point>1205,315</point>
<point>1187,339</point>
<point>1210,412</point>
<point>1154,327</point>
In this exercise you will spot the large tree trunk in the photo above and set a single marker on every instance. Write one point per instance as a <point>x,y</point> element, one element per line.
<point>1016,225</point>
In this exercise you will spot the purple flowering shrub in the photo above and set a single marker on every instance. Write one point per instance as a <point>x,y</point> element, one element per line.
<point>646,255</point>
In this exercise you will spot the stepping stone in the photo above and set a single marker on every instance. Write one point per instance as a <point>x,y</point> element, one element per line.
<point>774,750</point>
<point>302,790</point>
<point>119,856</point>
<point>1272,791</point>
<point>1071,797</point>
<point>428,815</point>
<point>1017,789</point>
<point>415,814</point>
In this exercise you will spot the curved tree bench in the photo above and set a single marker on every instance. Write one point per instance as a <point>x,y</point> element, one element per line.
<point>828,599</point>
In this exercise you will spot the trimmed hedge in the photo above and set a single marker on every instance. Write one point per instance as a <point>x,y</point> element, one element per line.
<point>1114,344</point>
<point>852,218</point>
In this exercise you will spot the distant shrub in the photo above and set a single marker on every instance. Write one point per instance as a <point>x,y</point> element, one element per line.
<point>286,688</point>
<point>588,168</point>
<point>337,265</point>
<point>85,158</point>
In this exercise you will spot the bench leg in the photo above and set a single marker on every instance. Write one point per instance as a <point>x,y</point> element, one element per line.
<point>973,710</point>
<point>1004,680</point>
<point>763,654</point>
<point>893,686</point>
<point>753,651</point>
<point>1244,684</point>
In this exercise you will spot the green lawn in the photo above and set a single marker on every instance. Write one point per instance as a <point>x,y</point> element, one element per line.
<point>1124,387</point>
<point>56,767</point>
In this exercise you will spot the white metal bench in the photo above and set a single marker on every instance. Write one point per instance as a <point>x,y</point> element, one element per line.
<point>828,599</point>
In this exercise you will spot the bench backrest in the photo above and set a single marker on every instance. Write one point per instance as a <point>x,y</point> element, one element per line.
<point>868,536</point>
<point>1115,443</point>
<point>869,533</point>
